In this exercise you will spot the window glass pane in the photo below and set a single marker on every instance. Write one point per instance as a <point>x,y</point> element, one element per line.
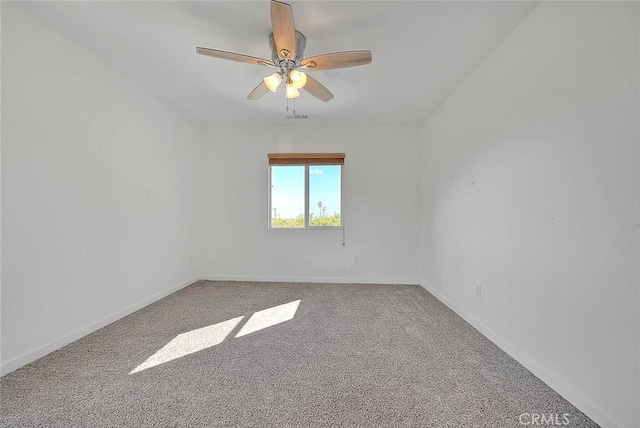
<point>324,195</point>
<point>287,196</point>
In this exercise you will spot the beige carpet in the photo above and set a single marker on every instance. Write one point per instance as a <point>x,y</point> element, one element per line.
<point>220,354</point>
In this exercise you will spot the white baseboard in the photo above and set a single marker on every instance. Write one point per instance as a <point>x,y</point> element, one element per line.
<point>315,280</point>
<point>584,405</point>
<point>40,352</point>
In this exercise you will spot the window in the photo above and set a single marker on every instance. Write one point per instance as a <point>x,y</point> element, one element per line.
<point>305,190</point>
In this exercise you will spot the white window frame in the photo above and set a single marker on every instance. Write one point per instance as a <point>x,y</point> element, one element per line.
<point>307,226</point>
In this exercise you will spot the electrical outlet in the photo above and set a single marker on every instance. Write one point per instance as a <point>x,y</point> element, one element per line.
<point>478,290</point>
<point>356,260</point>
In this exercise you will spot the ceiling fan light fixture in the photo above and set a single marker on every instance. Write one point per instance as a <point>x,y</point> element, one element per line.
<point>273,81</point>
<point>298,79</point>
<point>292,91</point>
<point>287,46</point>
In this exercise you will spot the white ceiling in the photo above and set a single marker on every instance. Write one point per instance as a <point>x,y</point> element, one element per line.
<point>421,51</point>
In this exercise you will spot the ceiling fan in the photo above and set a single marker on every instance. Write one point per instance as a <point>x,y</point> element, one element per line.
<point>287,46</point>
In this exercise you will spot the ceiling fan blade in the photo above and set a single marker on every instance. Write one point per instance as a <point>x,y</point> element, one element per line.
<point>258,92</point>
<point>233,56</point>
<point>316,89</point>
<point>284,29</point>
<point>337,60</point>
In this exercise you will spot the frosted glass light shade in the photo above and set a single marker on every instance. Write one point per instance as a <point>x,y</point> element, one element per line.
<point>273,81</point>
<point>298,78</point>
<point>292,91</point>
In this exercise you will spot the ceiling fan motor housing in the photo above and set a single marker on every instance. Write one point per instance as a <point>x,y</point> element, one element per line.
<point>301,43</point>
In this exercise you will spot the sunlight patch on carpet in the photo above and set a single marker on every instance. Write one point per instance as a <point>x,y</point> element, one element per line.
<point>190,342</point>
<point>207,337</point>
<point>269,317</point>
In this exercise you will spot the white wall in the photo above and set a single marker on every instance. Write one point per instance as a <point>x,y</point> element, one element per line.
<point>97,192</point>
<point>530,185</point>
<point>381,203</point>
